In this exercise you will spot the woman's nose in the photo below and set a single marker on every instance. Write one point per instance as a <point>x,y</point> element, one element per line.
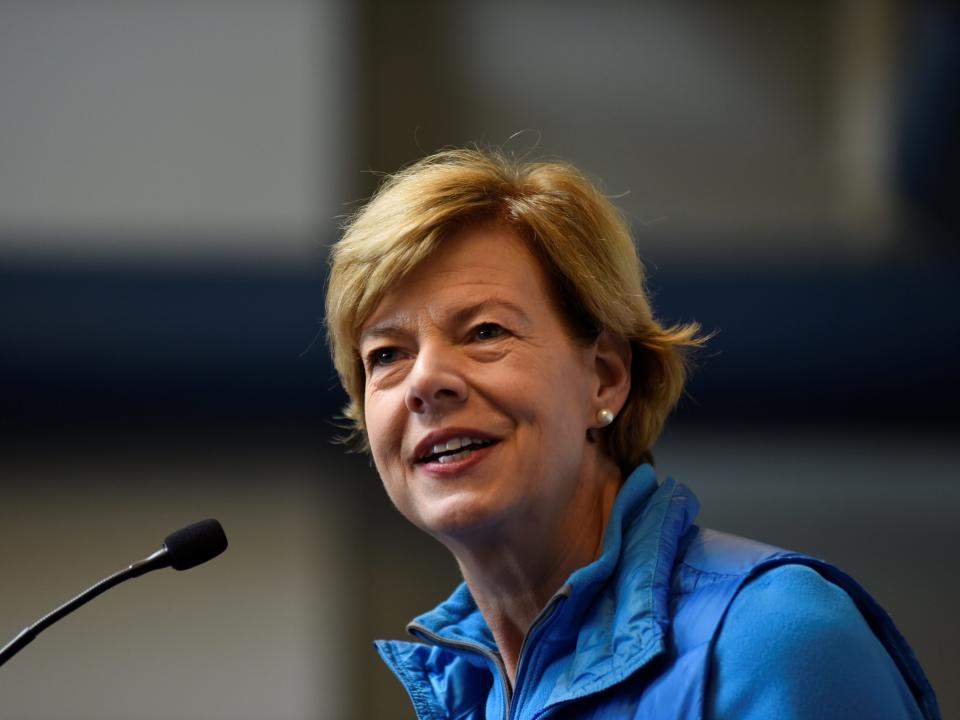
<point>436,383</point>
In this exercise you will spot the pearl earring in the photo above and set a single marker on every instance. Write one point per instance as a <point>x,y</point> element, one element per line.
<point>605,416</point>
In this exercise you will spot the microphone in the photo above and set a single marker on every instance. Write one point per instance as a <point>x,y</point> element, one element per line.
<point>182,550</point>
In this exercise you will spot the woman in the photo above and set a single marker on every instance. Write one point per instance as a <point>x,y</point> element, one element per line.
<point>489,322</point>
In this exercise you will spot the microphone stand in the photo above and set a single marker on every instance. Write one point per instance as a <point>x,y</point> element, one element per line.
<point>159,559</point>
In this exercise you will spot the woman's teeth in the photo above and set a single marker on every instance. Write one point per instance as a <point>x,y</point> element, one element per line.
<point>468,445</point>
<point>443,459</point>
<point>454,444</point>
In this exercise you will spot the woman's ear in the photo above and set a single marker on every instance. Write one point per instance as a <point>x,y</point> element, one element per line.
<point>612,361</point>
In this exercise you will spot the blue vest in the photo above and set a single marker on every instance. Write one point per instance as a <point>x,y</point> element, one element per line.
<point>628,636</point>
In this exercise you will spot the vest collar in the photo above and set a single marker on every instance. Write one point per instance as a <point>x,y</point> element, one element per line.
<point>618,609</point>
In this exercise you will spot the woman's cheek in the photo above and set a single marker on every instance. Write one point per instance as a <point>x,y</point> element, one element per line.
<point>385,428</point>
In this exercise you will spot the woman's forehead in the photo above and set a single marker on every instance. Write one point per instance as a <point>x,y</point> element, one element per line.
<point>477,269</point>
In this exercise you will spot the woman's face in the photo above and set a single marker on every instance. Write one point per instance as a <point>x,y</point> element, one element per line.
<point>477,401</point>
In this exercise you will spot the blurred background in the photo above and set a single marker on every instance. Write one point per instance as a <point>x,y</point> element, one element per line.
<point>171,175</point>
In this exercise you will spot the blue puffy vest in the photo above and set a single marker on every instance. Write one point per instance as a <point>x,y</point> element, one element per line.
<point>628,636</point>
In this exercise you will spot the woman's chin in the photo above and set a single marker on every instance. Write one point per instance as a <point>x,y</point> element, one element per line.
<point>459,517</point>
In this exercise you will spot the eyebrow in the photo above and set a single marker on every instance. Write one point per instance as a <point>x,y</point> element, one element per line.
<point>382,329</point>
<point>391,327</point>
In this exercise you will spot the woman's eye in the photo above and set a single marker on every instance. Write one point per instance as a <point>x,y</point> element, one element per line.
<point>488,331</point>
<point>384,356</point>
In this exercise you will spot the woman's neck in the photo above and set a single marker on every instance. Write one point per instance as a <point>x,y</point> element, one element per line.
<point>513,572</point>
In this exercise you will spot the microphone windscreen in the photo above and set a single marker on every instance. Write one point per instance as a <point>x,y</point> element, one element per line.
<point>195,544</point>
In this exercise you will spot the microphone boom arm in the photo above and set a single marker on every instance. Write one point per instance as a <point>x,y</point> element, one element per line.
<point>157,560</point>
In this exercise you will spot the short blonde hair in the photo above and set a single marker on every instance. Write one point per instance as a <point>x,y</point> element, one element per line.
<point>572,228</point>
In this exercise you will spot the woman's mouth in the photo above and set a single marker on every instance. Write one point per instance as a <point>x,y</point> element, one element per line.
<point>454,450</point>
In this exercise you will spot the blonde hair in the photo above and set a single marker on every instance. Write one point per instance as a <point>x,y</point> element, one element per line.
<point>571,227</point>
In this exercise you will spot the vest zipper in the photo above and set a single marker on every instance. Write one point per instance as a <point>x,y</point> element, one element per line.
<point>492,656</point>
<point>537,624</point>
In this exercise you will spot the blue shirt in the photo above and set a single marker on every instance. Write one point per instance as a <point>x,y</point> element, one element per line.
<point>794,645</point>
